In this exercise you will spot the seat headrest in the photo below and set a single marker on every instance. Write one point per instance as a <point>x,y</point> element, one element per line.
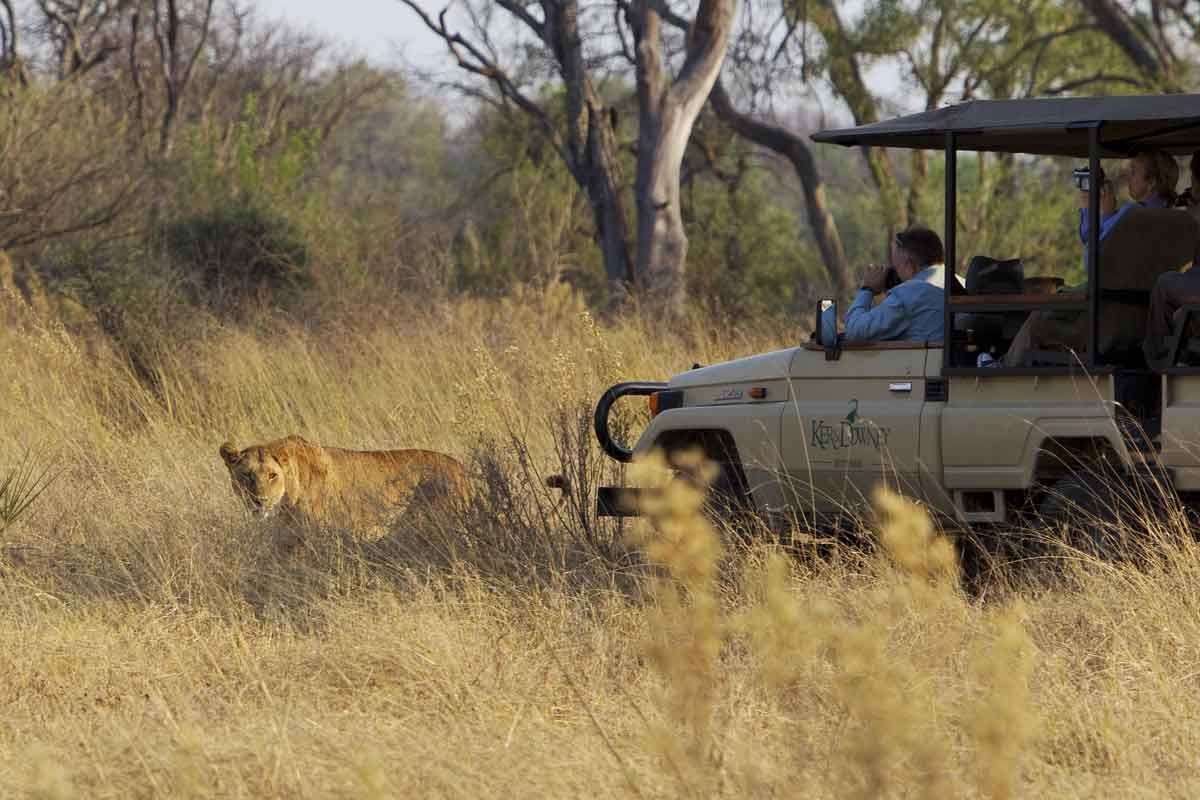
<point>987,275</point>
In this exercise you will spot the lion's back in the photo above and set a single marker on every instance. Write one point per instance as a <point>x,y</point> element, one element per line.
<point>400,475</point>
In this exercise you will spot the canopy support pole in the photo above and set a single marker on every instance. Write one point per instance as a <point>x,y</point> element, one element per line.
<point>1093,245</point>
<point>949,230</point>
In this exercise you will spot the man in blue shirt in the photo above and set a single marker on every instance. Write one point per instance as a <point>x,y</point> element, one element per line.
<point>914,309</point>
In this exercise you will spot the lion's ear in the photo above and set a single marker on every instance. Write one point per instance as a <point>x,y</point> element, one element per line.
<point>230,454</point>
<point>282,456</point>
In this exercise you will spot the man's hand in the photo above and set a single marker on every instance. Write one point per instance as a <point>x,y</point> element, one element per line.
<point>875,277</point>
<point>1108,199</point>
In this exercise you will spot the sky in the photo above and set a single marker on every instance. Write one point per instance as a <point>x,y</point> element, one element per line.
<point>379,29</point>
<point>389,33</point>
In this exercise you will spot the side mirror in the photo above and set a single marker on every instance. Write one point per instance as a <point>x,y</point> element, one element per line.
<point>827,328</point>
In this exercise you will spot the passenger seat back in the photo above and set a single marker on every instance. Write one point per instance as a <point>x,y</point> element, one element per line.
<point>1145,243</point>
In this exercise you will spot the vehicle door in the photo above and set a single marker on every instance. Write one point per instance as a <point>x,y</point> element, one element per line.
<point>1181,427</point>
<point>853,423</point>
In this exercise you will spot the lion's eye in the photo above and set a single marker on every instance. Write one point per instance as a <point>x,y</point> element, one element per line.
<point>273,475</point>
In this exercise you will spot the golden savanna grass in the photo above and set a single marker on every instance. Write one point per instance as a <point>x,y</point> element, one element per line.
<point>154,641</point>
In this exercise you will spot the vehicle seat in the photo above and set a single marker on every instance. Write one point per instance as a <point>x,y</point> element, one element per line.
<point>1144,244</point>
<point>1183,343</point>
<point>986,275</point>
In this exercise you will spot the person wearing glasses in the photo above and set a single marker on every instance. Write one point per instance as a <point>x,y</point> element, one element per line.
<point>914,306</point>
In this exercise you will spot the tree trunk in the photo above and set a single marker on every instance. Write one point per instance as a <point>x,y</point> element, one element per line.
<point>175,65</point>
<point>10,44</point>
<point>846,75</point>
<point>667,113</point>
<point>605,192</point>
<point>793,147</point>
<point>588,145</point>
<point>916,187</point>
<point>592,147</point>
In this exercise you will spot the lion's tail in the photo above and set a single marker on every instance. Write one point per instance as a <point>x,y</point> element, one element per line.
<point>560,482</point>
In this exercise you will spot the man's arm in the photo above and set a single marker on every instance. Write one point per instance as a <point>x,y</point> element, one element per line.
<point>888,320</point>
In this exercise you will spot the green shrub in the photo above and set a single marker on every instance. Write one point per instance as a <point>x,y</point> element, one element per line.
<point>239,258</point>
<point>20,487</point>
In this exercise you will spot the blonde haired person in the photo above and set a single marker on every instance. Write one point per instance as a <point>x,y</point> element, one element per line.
<point>1152,177</point>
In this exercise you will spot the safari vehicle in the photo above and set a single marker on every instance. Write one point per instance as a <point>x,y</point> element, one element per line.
<point>811,429</point>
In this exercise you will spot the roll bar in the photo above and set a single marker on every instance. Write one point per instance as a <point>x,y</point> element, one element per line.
<point>612,395</point>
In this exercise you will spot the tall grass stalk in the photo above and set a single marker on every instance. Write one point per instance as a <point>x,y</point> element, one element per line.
<point>156,641</point>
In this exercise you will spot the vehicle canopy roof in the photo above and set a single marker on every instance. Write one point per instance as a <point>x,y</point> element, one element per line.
<point>1041,126</point>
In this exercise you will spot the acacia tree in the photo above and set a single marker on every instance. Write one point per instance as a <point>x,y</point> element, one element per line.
<point>583,130</point>
<point>667,112</point>
<point>757,60</point>
<point>942,51</point>
<point>176,33</point>
<point>11,63</point>
<point>81,34</point>
<point>119,75</point>
<point>1157,37</point>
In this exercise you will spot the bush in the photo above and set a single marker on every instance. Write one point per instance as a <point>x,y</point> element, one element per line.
<point>240,258</point>
<point>20,487</point>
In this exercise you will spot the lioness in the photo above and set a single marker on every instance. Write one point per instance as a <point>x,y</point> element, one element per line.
<point>329,484</point>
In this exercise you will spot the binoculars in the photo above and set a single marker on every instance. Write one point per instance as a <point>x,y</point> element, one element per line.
<point>891,279</point>
<point>1083,178</point>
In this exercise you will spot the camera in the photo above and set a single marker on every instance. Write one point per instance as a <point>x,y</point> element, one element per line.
<point>1083,178</point>
<point>891,279</point>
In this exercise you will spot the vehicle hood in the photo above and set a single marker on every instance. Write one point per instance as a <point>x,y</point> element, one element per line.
<point>767,366</point>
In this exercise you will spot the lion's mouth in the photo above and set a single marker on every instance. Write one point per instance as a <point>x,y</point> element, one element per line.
<point>260,508</point>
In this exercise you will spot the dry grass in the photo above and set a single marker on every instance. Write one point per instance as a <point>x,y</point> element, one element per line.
<point>156,643</point>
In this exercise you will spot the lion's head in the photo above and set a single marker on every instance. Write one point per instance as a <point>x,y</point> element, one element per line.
<point>259,476</point>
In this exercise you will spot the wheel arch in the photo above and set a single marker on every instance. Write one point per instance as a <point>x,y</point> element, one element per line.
<point>718,446</point>
<point>1055,456</point>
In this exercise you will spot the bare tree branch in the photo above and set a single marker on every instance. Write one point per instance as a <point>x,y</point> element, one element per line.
<point>10,44</point>
<point>1100,77</point>
<point>1115,24</point>
<point>135,71</point>
<point>796,150</point>
<point>588,145</point>
<point>485,67</point>
<point>176,68</point>
<point>518,10</point>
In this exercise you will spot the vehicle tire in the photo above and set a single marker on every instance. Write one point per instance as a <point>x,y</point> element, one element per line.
<point>722,501</point>
<point>724,505</point>
<point>1099,512</point>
